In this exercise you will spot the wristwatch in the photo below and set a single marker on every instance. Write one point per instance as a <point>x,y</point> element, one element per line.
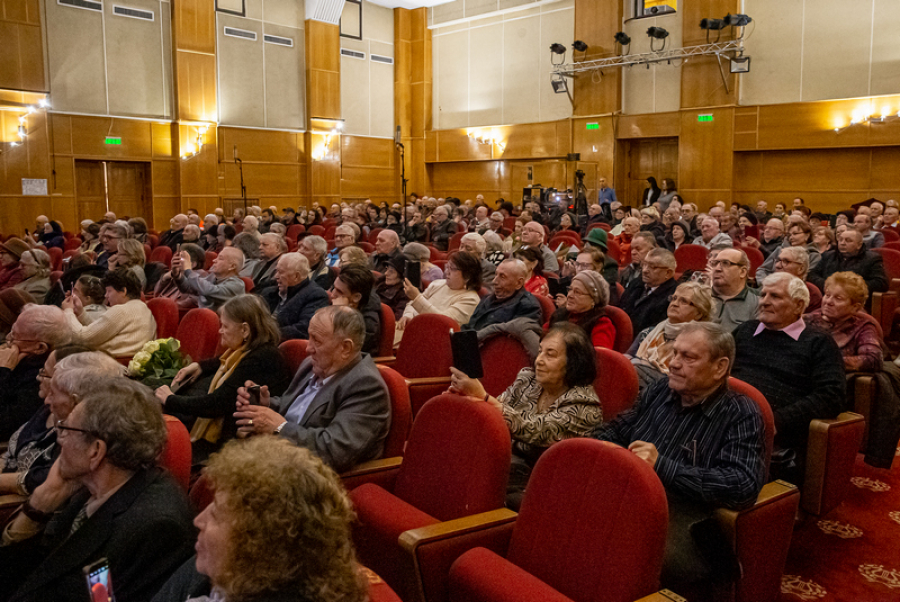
<point>278,428</point>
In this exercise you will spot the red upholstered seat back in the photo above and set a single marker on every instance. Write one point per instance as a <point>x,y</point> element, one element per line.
<point>502,357</point>
<point>547,307</point>
<point>176,456</point>
<point>615,252</point>
<point>768,418</point>
<point>165,312</point>
<point>72,244</point>
<point>691,257</point>
<point>317,230</point>
<point>401,412</point>
<point>294,231</point>
<point>891,259</point>
<point>455,241</point>
<point>756,259</point>
<point>457,459</point>
<point>55,254</point>
<point>294,352</point>
<point>209,258</point>
<point>198,334</point>
<point>248,283</point>
<point>593,522</point>
<point>373,234</point>
<point>616,383</point>
<point>388,326</point>
<point>890,235</point>
<point>624,329</point>
<point>161,254</point>
<point>424,350</point>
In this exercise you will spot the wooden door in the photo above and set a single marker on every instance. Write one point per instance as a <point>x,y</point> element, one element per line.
<point>126,189</point>
<point>90,190</point>
<point>645,157</point>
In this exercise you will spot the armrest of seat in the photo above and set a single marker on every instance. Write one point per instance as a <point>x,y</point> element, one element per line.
<point>381,472</point>
<point>435,547</point>
<point>481,575</point>
<point>423,389</point>
<point>862,388</point>
<point>663,595</point>
<point>883,307</point>
<point>12,500</point>
<point>385,360</point>
<point>428,381</point>
<point>830,455</point>
<point>761,537</point>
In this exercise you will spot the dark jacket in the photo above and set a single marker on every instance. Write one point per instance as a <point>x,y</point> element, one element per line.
<point>380,261</point>
<point>650,310</point>
<point>766,248</point>
<point>491,310</point>
<point>19,398</point>
<point>293,314</point>
<point>415,233</point>
<point>322,275</point>
<point>442,233</point>
<point>867,264</point>
<point>394,297</point>
<point>144,529</point>
<point>264,272</point>
<point>171,239</point>
<point>187,583</point>
<point>263,365</point>
<point>371,312</point>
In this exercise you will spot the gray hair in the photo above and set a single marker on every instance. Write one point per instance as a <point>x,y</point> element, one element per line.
<point>796,288</point>
<point>317,243</point>
<point>347,323</point>
<point>801,256</point>
<point>663,257</point>
<point>79,373</point>
<point>121,230</point>
<point>349,228</point>
<point>45,323</point>
<point>210,218</point>
<point>417,252</point>
<point>646,236</point>
<point>238,260</point>
<point>248,245</point>
<point>278,240</point>
<point>492,241</point>
<point>497,215</point>
<point>41,261</point>
<point>480,245</point>
<point>719,342</point>
<point>251,223</point>
<point>193,228</point>
<point>278,228</point>
<point>125,415</point>
<point>701,298</point>
<point>296,262</point>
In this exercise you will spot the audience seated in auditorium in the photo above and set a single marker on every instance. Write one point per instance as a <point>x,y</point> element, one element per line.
<point>355,287</point>
<point>35,281</point>
<point>533,237</point>
<point>629,226</point>
<point>167,287</point>
<point>103,498</point>
<point>249,247</point>
<point>535,282</point>
<point>653,348</point>
<point>442,228</point>
<point>207,390</point>
<point>344,236</point>
<point>509,301</point>
<point>387,249</point>
<point>277,529</point>
<point>710,234</point>
<point>52,236</point>
<point>771,239</point>
<point>295,298</point>
<point>455,297</point>
<point>218,286</point>
<point>130,256</point>
<point>735,301</point>
<point>314,249</point>
<point>70,372</point>
<point>415,230</point>
<point>647,298</point>
<point>271,248</point>
<point>798,367</point>
<point>337,404</point>
<point>549,402</point>
<point>476,244</point>
<point>706,443</point>
<point>124,328</point>
<point>641,244</point>
<point>585,306</point>
<point>418,252</point>
<point>110,235</point>
<point>799,235</point>
<point>872,239</point>
<point>851,255</point>
<point>174,236</point>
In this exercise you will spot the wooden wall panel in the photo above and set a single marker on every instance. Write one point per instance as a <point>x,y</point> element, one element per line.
<point>323,68</point>
<point>702,86</point>
<point>549,139</point>
<point>596,24</point>
<point>195,86</point>
<point>704,154</point>
<point>89,136</point>
<point>259,145</point>
<point>655,125</point>
<point>585,141</point>
<point>165,179</point>
<point>194,25</point>
<point>746,125</point>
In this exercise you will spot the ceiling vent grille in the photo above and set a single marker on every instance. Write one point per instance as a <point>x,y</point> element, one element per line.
<point>353,54</point>
<point>134,13</point>
<point>377,58</point>
<point>88,4</point>
<point>240,33</point>
<point>278,40</point>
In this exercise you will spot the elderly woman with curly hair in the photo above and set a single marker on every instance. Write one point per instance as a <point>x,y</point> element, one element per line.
<point>278,529</point>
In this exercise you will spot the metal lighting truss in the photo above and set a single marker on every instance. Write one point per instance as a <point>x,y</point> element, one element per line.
<point>720,50</point>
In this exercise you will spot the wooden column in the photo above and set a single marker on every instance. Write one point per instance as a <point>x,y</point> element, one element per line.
<point>323,103</point>
<point>412,91</point>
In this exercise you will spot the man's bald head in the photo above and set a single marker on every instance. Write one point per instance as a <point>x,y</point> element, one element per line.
<point>228,263</point>
<point>510,278</point>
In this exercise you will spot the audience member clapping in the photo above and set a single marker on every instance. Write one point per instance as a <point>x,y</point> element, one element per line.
<point>213,289</point>
<point>585,306</point>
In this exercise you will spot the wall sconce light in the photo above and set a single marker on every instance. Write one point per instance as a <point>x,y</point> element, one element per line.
<point>321,151</point>
<point>22,131</point>
<point>862,116</point>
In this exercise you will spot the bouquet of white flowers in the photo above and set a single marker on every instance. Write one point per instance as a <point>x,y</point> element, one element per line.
<point>159,360</point>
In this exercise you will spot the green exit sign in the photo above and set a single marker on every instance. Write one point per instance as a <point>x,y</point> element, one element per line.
<point>113,140</point>
<point>707,117</point>
<point>592,126</point>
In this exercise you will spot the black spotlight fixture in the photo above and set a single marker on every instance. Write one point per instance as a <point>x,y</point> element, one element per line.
<point>712,24</point>
<point>557,48</point>
<point>658,33</point>
<point>737,20</point>
<point>623,38</point>
<point>579,46</point>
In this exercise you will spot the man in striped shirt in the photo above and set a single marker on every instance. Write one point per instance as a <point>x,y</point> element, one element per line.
<point>706,443</point>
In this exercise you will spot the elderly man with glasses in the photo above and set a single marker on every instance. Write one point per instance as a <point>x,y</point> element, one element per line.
<point>344,237</point>
<point>735,302</point>
<point>110,236</point>
<point>646,300</point>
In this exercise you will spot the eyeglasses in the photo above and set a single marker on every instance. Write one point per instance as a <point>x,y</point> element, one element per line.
<point>650,266</point>
<point>714,263</point>
<point>342,236</point>
<point>44,375</point>
<point>680,300</point>
<point>584,266</point>
<point>781,260</point>
<point>60,426</point>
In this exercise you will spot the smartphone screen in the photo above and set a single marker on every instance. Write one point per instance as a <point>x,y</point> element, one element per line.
<point>254,395</point>
<point>414,273</point>
<point>98,581</point>
<point>466,355</point>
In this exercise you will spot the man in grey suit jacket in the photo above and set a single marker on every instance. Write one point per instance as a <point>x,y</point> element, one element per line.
<point>337,405</point>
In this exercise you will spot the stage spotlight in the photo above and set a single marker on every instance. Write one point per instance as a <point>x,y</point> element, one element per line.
<point>740,64</point>
<point>559,85</point>
<point>623,38</point>
<point>579,46</point>
<point>737,20</point>
<point>557,48</point>
<point>712,24</point>
<point>658,33</point>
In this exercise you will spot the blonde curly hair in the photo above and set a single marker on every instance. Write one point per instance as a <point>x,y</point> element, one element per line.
<point>290,522</point>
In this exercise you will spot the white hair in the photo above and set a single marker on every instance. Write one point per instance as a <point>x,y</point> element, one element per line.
<point>480,245</point>
<point>796,288</point>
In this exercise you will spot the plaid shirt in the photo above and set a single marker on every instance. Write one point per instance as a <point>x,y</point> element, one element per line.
<point>712,452</point>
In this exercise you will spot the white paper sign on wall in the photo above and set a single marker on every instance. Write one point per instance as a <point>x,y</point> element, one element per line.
<point>32,187</point>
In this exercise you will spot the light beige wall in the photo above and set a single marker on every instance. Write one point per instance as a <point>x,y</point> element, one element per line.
<point>105,64</point>
<point>262,84</point>
<point>807,50</point>
<point>495,69</point>
<point>367,87</point>
<point>657,89</point>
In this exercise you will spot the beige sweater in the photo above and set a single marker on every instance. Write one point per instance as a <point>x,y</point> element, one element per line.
<point>121,331</point>
<point>439,298</point>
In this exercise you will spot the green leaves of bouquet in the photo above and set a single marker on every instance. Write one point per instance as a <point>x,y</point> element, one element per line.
<point>158,362</point>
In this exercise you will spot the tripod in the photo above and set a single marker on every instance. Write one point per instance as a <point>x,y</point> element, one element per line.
<point>403,179</point>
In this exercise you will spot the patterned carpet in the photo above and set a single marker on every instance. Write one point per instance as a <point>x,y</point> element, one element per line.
<point>853,553</point>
